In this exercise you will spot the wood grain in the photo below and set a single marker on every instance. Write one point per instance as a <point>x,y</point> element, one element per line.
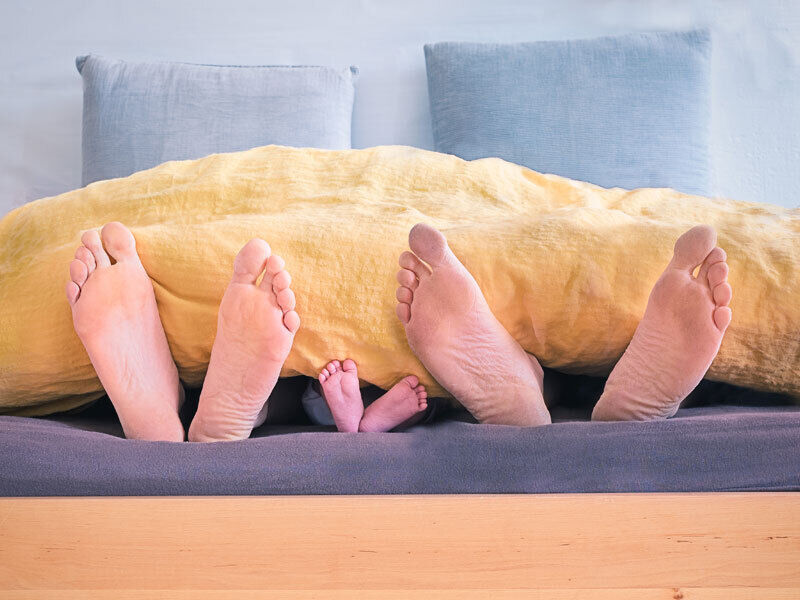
<point>606,545</point>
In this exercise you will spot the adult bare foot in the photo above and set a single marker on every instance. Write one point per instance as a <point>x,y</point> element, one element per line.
<point>255,329</point>
<point>404,400</point>
<point>115,315</point>
<point>339,382</point>
<point>452,330</point>
<point>678,337</point>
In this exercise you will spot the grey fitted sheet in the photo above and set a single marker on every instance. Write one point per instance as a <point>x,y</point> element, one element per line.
<point>715,447</point>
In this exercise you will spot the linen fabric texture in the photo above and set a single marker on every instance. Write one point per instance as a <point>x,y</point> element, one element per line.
<point>567,267</point>
<point>137,115</point>
<point>629,111</point>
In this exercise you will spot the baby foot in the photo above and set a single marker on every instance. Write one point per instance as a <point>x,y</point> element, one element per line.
<point>339,383</point>
<point>115,315</point>
<point>404,400</point>
<point>452,330</point>
<point>255,329</point>
<point>678,337</point>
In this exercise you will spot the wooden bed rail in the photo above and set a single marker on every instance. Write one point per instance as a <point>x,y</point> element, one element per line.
<point>661,546</point>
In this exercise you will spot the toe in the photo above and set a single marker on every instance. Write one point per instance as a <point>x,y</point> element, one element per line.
<point>717,274</point>
<point>291,320</point>
<point>722,317</point>
<point>349,366</point>
<point>78,272</point>
<point>405,295</point>
<point>275,265</point>
<point>83,254</point>
<point>250,261</point>
<point>91,239</point>
<point>407,279</point>
<point>119,241</point>
<point>429,244</point>
<point>281,281</point>
<point>715,256</point>
<point>403,312</point>
<point>331,368</point>
<point>73,292</point>
<point>411,381</point>
<point>286,300</point>
<point>723,294</point>
<point>337,363</point>
<point>693,247</point>
<point>409,261</point>
<point>323,376</point>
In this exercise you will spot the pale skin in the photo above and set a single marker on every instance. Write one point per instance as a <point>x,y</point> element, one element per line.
<point>448,323</point>
<point>452,330</point>
<point>405,400</point>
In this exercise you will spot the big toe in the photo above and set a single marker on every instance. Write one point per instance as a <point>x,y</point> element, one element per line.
<point>250,261</point>
<point>694,246</point>
<point>429,244</point>
<point>118,241</point>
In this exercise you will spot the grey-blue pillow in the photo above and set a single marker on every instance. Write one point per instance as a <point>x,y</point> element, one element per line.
<point>629,111</point>
<point>137,115</point>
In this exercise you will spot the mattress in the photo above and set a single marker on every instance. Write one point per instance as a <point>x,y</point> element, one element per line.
<point>724,441</point>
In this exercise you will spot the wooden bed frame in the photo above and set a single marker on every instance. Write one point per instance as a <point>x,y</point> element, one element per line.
<point>622,546</point>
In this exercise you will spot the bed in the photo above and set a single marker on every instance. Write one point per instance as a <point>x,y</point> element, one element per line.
<point>703,505</point>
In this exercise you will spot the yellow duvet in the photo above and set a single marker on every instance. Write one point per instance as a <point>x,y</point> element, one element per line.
<point>566,266</point>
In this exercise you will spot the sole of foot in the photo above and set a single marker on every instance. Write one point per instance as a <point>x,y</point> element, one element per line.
<point>678,337</point>
<point>115,315</point>
<point>404,400</point>
<point>256,325</point>
<point>452,330</point>
<point>339,382</point>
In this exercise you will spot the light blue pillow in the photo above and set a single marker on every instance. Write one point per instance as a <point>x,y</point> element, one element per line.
<point>629,111</point>
<point>137,115</point>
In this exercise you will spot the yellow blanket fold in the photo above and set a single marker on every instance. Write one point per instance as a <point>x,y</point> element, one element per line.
<point>566,266</point>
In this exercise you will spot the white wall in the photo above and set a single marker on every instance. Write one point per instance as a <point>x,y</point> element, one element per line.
<point>756,68</point>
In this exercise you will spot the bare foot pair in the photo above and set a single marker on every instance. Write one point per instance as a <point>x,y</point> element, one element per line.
<point>115,315</point>
<point>448,323</point>
<point>403,404</point>
<point>452,330</point>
